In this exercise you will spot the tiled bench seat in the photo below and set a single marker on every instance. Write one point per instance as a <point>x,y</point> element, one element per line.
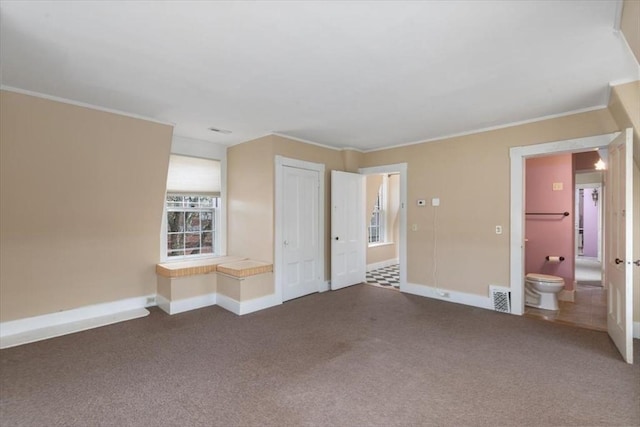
<point>227,281</point>
<point>190,268</point>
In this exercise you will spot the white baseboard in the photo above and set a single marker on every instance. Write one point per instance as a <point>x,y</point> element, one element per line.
<point>261,303</point>
<point>382,264</point>
<point>447,295</point>
<point>31,329</point>
<point>229,304</point>
<point>636,330</point>
<point>186,304</point>
<point>246,307</point>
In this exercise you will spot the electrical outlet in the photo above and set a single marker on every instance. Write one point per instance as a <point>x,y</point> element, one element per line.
<point>498,229</point>
<point>414,227</point>
<point>151,301</point>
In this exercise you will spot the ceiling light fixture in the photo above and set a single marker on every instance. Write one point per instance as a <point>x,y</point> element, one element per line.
<point>600,165</point>
<point>225,131</point>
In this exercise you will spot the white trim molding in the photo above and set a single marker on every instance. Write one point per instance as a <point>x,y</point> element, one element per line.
<point>186,304</point>
<point>449,296</point>
<point>518,156</point>
<point>402,244</point>
<point>37,328</point>
<point>636,330</point>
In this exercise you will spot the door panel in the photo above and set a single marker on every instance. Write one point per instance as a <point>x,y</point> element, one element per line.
<point>619,245</point>
<point>300,232</point>
<point>347,229</point>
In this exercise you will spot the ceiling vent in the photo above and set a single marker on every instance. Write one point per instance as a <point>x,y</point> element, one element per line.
<point>225,131</point>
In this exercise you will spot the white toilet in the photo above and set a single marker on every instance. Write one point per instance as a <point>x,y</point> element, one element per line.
<point>541,291</point>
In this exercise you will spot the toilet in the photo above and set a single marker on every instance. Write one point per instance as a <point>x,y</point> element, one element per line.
<point>541,291</point>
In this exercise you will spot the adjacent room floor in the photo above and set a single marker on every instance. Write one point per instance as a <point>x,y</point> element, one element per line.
<point>589,310</point>
<point>387,277</point>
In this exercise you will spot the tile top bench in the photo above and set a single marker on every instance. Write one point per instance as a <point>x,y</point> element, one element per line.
<point>194,267</point>
<point>244,268</point>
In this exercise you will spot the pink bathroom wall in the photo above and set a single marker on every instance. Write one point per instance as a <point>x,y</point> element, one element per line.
<point>550,234</point>
<point>590,224</point>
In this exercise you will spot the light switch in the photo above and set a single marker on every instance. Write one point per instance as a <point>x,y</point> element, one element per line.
<point>498,229</point>
<point>557,186</point>
<point>435,201</point>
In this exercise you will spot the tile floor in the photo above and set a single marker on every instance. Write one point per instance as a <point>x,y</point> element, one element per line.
<point>387,277</point>
<point>588,311</point>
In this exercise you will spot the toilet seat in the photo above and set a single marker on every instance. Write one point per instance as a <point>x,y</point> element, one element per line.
<point>544,278</point>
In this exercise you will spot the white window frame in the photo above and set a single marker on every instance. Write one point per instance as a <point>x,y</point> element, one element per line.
<point>381,207</point>
<point>215,226</point>
<point>205,150</point>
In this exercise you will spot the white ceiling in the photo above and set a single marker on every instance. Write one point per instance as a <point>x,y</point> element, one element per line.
<point>362,74</point>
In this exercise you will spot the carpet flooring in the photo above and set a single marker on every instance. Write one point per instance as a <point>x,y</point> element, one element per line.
<point>360,356</point>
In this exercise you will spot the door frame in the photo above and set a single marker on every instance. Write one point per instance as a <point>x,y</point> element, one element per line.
<point>278,268</point>
<point>402,252</point>
<point>518,156</point>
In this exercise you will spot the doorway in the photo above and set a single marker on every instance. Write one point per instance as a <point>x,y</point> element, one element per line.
<point>385,221</point>
<point>299,228</point>
<point>562,236</point>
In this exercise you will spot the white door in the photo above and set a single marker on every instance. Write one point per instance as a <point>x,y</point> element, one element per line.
<point>347,229</point>
<point>300,244</point>
<point>619,245</point>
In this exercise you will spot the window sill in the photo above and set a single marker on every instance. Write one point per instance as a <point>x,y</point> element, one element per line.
<point>375,245</point>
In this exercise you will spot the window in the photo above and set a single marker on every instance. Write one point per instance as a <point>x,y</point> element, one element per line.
<point>377,221</point>
<point>193,209</point>
<point>191,224</point>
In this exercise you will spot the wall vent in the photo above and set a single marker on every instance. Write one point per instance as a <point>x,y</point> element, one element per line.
<point>501,298</point>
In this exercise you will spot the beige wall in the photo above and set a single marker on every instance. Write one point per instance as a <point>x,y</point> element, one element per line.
<point>251,192</point>
<point>81,198</point>
<point>470,175</point>
<point>630,25</point>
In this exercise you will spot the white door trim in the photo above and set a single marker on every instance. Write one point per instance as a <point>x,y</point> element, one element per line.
<point>281,162</point>
<point>518,156</point>
<point>402,168</point>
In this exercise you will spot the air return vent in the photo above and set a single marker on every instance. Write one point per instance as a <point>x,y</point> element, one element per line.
<point>501,298</point>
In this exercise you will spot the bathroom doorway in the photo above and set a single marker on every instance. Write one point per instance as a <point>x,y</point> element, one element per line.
<point>568,185</point>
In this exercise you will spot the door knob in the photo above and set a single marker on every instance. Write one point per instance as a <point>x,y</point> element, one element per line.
<point>637,262</point>
<point>619,261</point>
<point>286,243</point>
<point>337,238</point>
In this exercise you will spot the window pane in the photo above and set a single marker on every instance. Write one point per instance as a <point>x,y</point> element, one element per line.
<point>192,240</point>
<point>192,201</point>
<point>207,239</point>
<point>193,221</point>
<point>175,241</point>
<point>206,202</point>
<point>175,221</point>
<point>174,201</point>
<point>206,218</point>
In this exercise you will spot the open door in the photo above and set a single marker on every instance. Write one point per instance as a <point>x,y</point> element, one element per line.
<point>619,244</point>
<point>347,229</point>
